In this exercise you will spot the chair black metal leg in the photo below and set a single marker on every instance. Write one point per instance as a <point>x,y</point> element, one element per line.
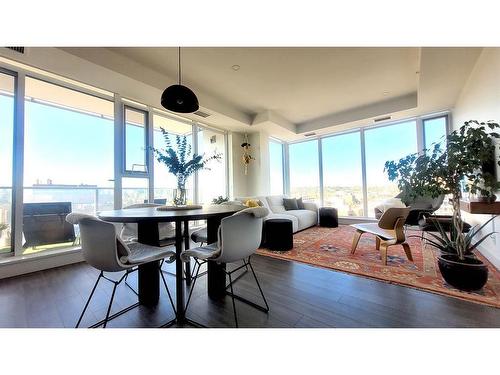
<point>168,291</point>
<point>232,299</point>
<point>88,300</point>
<point>130,286</point>
<point>110,304</point>
<point>192,286</point>
<point>257,281</point>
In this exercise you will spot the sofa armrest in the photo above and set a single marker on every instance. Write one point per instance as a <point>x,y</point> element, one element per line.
<point>311,206</point>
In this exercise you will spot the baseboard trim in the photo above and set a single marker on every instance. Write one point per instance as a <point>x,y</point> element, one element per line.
<point>16,266</point>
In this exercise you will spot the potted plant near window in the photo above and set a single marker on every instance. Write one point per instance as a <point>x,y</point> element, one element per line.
<point>181,163</point>
<point>448,168</point>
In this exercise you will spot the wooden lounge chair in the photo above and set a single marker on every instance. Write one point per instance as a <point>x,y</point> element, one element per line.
<point>388,231</point>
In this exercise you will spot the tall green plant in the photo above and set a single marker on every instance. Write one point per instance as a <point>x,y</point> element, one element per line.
<point>447,166</point>
<point>179,160</point>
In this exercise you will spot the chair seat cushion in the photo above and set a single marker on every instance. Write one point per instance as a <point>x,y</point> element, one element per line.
<point>203,252</point>
<point>373,228</point>
<point>141,253</point>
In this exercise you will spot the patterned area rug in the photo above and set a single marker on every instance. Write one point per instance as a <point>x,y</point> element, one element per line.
<point>330,248</point>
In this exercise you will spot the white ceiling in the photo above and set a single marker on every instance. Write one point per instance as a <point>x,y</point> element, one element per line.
<point>299,84</point>
<point>290,91</point>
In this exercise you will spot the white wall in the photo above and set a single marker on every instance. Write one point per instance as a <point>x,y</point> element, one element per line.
<point>257,181</point>
<point>480,100</point>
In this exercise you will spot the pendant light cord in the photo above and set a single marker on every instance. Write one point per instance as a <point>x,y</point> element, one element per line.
<point>179,65</point>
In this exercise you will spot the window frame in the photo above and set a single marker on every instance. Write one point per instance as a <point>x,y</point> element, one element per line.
<point>362,129</point>
<point>15,193</point>
<point>126,172</point>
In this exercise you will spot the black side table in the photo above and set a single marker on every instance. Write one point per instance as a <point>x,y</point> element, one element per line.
<point>328,217</point>
<point>279,234</point>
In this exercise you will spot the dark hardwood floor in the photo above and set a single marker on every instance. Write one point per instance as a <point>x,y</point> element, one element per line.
<point>298,295</point>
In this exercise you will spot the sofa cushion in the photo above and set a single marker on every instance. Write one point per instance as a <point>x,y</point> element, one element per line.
<point>305,218</point>
<point>300,204</point>
<point>290,204</point>
<point>275,203</point>
<point>295,221</point>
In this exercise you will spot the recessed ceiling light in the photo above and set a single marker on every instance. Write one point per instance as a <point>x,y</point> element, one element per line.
<point>236,67</point>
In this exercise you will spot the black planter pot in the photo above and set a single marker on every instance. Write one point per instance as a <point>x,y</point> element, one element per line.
<point>469,274</point>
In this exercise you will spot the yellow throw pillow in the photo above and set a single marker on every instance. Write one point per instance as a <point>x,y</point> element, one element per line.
<point>252,203</point>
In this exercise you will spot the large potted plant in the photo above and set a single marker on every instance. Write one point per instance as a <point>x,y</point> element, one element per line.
<point>448,168</point>
<point>181,163</point>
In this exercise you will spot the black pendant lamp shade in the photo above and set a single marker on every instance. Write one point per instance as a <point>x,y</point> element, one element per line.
<point>179,98</point>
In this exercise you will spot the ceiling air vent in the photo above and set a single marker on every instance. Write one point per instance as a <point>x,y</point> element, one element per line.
<point>202,114</point>
<point>382,119</point>
<point>17,49</point>
<point>309,134</point>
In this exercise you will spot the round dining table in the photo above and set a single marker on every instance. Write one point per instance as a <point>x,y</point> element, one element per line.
<point>147,220</point>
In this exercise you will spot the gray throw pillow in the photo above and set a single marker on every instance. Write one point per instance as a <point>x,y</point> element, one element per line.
<point>300,204</point>
<point>290,204</point>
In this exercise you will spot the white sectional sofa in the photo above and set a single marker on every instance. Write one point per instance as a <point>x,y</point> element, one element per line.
<point>301,219</point>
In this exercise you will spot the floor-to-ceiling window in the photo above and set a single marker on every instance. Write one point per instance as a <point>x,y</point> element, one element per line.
<point>212,181</point>
<point>383,144</point>
<point>135,182</point>
<point>68,151</point>
<point>164,181</point>
<point>434,131</point>
<point>6,157</point>
<point>342,174</point>
<point>276,167</point>
<point>304,171</point>
<point>352,164</point>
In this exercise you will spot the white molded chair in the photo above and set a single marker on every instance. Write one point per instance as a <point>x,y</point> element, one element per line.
<point>239,237</point>
<point>107,252</point>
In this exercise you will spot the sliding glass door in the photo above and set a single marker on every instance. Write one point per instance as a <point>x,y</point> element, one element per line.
<point>7,84</point>
<point>68,159</point>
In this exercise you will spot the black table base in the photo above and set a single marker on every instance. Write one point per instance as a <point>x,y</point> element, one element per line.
<point>147,220</point>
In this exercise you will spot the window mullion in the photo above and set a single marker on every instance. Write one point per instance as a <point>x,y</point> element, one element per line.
<point>119,143</point>
<point>363,173</point>
<point>18,164</point>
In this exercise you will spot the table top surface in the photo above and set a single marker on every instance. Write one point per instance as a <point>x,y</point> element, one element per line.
<point>133,215</point>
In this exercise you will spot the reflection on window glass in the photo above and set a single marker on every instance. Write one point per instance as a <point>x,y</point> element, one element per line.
<point>135,140</point>
<point>134,191</point>
<point>434,132</point>
<point>381,144</point>
<point>68,155</point>
<point>164,181</point>
<point>304,171</point>
<point>342,177</point>
<point>6,149</point>
<point>276,167</point>
<point>212,181</point>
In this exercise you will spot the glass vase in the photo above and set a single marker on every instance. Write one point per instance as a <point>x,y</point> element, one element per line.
<point>180,195</point>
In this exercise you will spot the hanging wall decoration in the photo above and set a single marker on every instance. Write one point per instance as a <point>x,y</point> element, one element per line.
<point>247,157</point>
